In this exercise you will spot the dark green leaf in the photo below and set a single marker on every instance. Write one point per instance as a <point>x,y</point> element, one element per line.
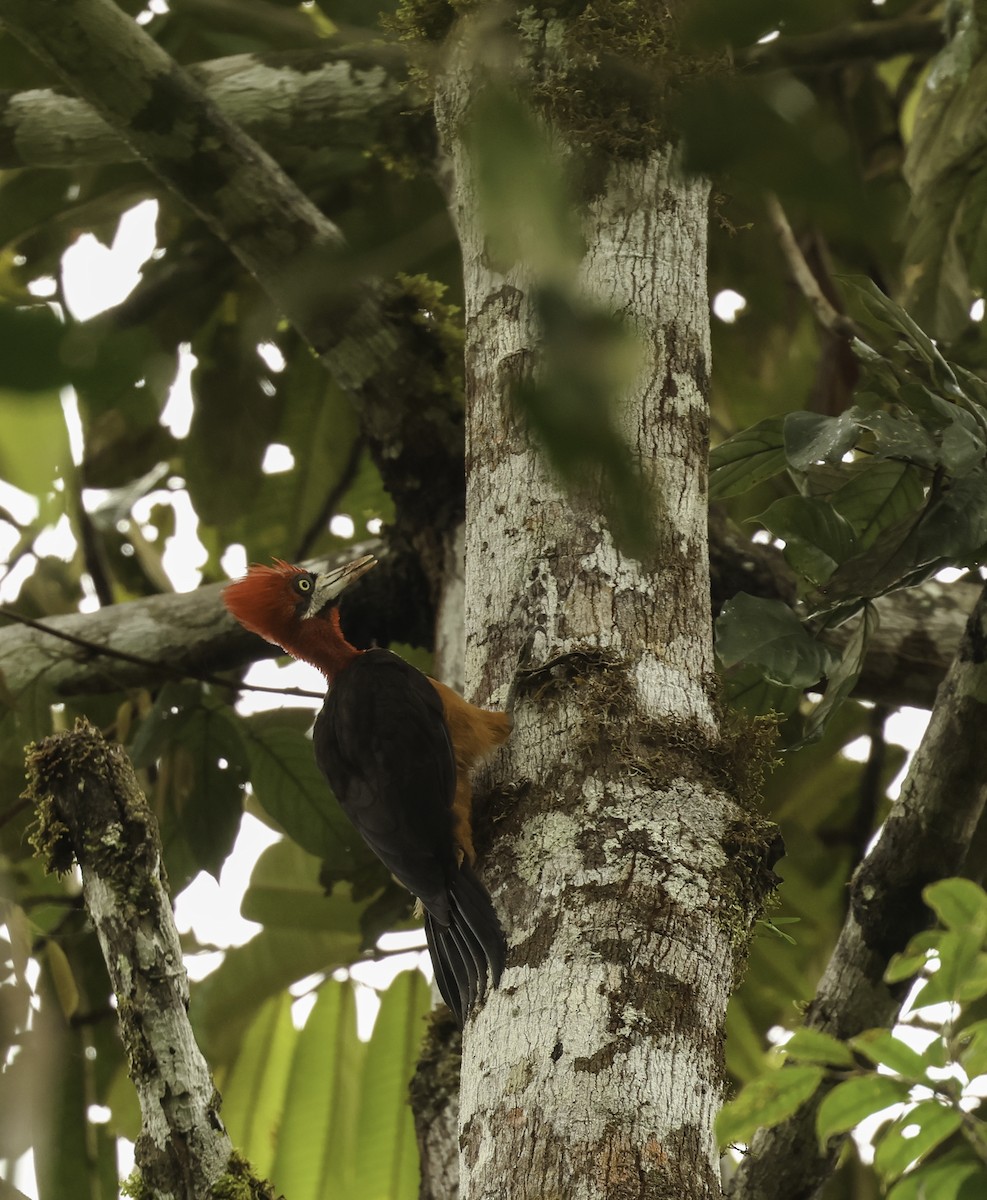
<point>747,458</point>
<point>746,688</point>
<point>767,634</point>
<point>876,496</point>
<point>30,341</point>
<point>956,1175</point>
<point>812,437</point>
<point>817,538</point>
<point>843,677</point>
<point>294,792</point>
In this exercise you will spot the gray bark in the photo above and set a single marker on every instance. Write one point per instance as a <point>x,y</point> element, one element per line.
<point>92,811</point>
<point>321,100</point>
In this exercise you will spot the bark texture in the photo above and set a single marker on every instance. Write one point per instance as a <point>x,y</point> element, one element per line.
<point>595,1069</point>
<point>92,811</point>
<point>925,838</point>
<point>302,100</point>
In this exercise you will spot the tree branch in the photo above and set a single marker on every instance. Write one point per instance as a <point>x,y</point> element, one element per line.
<point>335,95</point>
<point>848,43</point>
<point>924,838</point>
<point>381,343</point>
<point>91,810</point>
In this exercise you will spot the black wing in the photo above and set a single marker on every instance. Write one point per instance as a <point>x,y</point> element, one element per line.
<point>382,742</point>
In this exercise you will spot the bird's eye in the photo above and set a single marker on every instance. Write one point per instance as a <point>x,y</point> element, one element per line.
<point>303,585</point>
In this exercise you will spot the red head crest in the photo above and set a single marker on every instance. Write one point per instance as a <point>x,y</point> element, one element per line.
<point>265,602</point>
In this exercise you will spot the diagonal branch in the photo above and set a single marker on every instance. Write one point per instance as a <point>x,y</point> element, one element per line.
<point>380,342</point>
<point>924,838</point>
<point>337,95</point>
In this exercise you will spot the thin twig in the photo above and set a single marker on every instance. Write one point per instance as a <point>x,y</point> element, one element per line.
<point>824,312</point>
<point>846,43</point>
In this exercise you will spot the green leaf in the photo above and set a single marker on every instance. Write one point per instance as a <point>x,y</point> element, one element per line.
<point>767,634</point>
<point>894,1152</point>
<point>385,1148</point>
<point>254,1091</point>
<point>747,689</point>
<point>945,1178</point>
<point>34,450</point>
<point>293,790</point>
<point>747,458</point>
<point>814,1046</point>
<point>285,891</point>
<point>877,496</point>
<point>850,1102</point>
<point>314,1158</point>
<point>959,904</point>
<point>817,538</point>
<point>767,1100</point>
<point>903,966</point>
<point>900,437</point>
<point>30,341</point>
<point>812,437</point>
<point>843,677</point>
<point>202,769</point>
<point>958,953</point>
<point>881,1046</point>
<point>224,1003</point>
<point>972,1054</point>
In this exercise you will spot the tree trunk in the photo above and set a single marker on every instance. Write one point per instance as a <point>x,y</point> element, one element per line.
<point>596,1068</point>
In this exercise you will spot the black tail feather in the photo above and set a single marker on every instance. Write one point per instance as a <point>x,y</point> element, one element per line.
<point>470,948</point>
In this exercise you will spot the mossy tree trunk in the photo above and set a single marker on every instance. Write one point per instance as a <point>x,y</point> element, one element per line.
<point>596,1068</point>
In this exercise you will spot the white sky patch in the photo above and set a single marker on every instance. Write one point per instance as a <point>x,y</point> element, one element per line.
<point>234,560</point>
<point>272,357</point>
<point>211,910</point>
<point>57,541</point>
<point>342,525</point>
<point>769,37</point>
<point>13,580</point>
<point>977,310</point>
<point>176,416</point>
<point>269,674</point>
<point>73,423</point>
<point>277,459</point>
<point>94,277</point>
<point>183,554</point>
<point>44,286</point>
<point>728,304</point>
<point>950,574</point>
<point>375,525</point>
<point>22,507</point>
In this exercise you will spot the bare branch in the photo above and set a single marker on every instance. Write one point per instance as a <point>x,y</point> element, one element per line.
<point>924,838</point>
<point>822,309</point>
<point>91,810</point>
<point>848,43</point>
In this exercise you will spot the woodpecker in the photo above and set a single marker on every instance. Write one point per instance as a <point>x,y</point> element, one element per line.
<point>397,748</point>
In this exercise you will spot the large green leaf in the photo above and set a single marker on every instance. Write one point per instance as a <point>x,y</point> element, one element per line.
<point>285,891</point>
<point>254,1091</point>
<point>293,790</point>
<point>314,1159</point>
<point>767,634</point>
<point>817,537</point>
<point>747,458</point>
<point>34,449</point>
<point>765,1101</point>
<point>385,1145</point>
<point>894,1151</point>
<point>878,495</point>
<point>224,1003</point>
<point>850,1102</point>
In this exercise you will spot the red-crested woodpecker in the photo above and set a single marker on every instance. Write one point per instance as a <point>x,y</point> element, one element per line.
<point>397,748</point>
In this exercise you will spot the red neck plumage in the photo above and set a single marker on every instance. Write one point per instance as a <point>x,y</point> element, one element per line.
<point>320,641</point>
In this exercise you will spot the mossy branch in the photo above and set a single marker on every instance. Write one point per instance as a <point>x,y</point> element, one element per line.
<point>91,811</point>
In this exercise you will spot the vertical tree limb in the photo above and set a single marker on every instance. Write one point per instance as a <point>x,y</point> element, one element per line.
<point>92,811</point>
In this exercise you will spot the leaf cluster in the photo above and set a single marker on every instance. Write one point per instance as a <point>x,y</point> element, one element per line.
<point>884,495</point>
<point>932,1139</point>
